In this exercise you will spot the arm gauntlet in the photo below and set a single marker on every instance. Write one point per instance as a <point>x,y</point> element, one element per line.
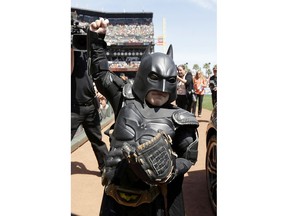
<point>191,152</point>
<point>186,146</point>
<point>97,54</point>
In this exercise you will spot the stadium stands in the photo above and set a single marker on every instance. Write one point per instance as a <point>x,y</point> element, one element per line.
<point>127,37</point>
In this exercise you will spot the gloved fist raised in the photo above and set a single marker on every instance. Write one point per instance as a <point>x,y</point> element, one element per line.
<point>99,26</point>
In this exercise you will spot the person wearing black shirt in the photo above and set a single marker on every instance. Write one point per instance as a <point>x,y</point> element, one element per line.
<point>84,106</point>
<point>184,88</point>
<point>213,85</point>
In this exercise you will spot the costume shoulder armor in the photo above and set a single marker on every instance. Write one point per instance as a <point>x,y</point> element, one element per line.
<point>183,117</point>
<point>127,91</point>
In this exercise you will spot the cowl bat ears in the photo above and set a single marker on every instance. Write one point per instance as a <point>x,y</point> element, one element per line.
<point>170,51</point>
<point>149,48</point>
<point>147,51</point>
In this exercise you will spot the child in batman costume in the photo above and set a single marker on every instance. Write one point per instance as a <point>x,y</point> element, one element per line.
<point>152,143</point>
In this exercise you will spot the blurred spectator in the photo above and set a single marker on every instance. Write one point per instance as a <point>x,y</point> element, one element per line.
<point>130,33</point>
<point>213,85</point>
<point>184,88</point>
<point>128,30</point>
<point>125,78</point>
<point>123,64</point>
<point>105,110</point>
<point>200,83</point>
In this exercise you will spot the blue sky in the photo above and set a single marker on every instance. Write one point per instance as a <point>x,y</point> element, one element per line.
<point>190,25</point>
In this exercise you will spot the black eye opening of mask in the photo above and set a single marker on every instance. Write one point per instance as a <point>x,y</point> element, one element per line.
<point>155,77</point>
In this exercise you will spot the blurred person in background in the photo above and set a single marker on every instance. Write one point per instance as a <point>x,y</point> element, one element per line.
<point>213,85</point>
<point>105,109</point>
<point>184,88</point>
<point>125,78</point>
<point>200,83</point>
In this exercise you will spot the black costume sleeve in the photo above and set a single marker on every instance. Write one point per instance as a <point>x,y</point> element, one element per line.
<point>107,83</point>
<point>186,147</point>
<point>185,142</point>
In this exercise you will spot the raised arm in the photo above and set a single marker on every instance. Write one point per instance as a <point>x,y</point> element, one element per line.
<point>107,83</point>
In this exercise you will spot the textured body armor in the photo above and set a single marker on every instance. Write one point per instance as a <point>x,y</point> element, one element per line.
<point>137,124</point>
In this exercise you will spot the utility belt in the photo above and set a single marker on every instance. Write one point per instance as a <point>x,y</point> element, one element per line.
<point>131,197</point>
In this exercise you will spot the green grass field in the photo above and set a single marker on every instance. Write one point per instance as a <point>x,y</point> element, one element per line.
<point>207,102</point>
